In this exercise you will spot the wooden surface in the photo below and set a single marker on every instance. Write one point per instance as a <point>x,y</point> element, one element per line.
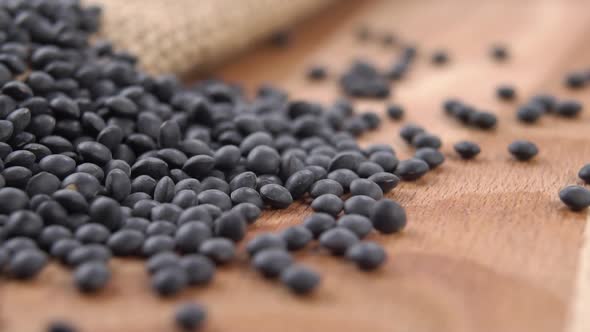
<point>489,247</point>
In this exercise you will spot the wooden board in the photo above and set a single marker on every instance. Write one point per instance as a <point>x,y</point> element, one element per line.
<point>489,247</point>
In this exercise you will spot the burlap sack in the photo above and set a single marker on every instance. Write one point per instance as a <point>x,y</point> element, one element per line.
<point>183,36</point>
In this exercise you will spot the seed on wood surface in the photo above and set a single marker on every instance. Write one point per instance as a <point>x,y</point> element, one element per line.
<point>338,240</point>
<point>190,316</point>
<point>483,120</point>
<point>297,237</point>
<point>220,250</point>
<point>265,241</point>
<point>157,243</point>
<point>584,173</point>
<point>411,169</point>
<point>91,276</point>
<point>126,242</point>
<point>300,279</point>
<point>568,108</point>
<point>395,112</point>
<point>408,132</point>
<point>326,186</point>
<point>388,216</point>
<point>271,262</point>
<point>432,157</point>
<point>467,149</point>
<point>499,52</point>
<point>506,92</point>
<point>318,223</point>
<point>367,255</point>
<point>367,188</point>
<point>328,203</point>
<point>317,73</point>
<point>440,57</point>
<point>26,263</point>
<point>529,113</point>
<point>191,235</point>
<point>386,181</point>
<point>276,196</point>
<point>88,253</point>
<point>359,204</point>
<point>523,150</point>
<point>360,225</point>
<point>168,281</point>
<point>575,197</point>
<point>61,326</point>
<point>575,80</point>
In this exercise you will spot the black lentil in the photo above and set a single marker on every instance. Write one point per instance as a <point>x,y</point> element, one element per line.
<point>360,225</point>
<point>499,52</point>
<point>276,196</point>
<point>169,280</point>
<point>344,177</point>
<point>297,237</point>
<point>91,277</point>
<point>61,326</point>
<point>300,279</point>
<point>408,132</point>
<point>317,73</point>
<point>326,186</point>
<point>338,240</point>
<point>190,316</point>
<point>367,255</point>
<point>440,57</point>
<point>506,92</point>
<point>271,262</point>
<point>575,80</point>
<point>395,112</point>
<point>191,235</point>
<point>411,169</point>
<point>265,241</point>
<point>388,216</point>
<point>529,113</point>
<point>220,250</point>
<point>523,150</point>
<point>467,149</point>
<point>386,181</point>
<point>568,108</point>
<point>432,157</point>
<point>126,242</point>
<point>157,243</point>
<point>584,173</point>
<point>328,203</point>
<point>575,197</point>
<point>26,263</point>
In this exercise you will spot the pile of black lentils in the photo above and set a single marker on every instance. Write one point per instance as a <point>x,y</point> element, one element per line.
<point>99,159</point>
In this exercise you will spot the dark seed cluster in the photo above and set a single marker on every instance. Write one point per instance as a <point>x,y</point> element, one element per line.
<point>101,160</point>
<point>540,105</point>
<point>469,115</point>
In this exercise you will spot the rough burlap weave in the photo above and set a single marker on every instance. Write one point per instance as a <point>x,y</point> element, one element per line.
<point>183,36</point>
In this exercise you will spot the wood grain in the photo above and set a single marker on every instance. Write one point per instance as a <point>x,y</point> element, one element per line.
<point>489,247</point>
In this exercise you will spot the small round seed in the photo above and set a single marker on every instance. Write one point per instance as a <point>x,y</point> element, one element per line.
<point>199,269</point>
<point>506,92</point>
<point>386,181</point>
<point>575,197</point>
<point>300,279</point>
<point>91,277</point>
<point>359,204</point>
<point>360,225</point>
<point>190,316</point>
<point>276,196</point>
<point>329,203</point>
<point>388,216</point>
<point>395,112</point>
<point>220,250</point>
<point>412,169</point>
<point>296,237</point>
<point>523,150</point>
<point>529,113</point>
<point>467,149</point>
<point>367,255</point>
<point>432,157</point>
<point>231,225</point>
<point>169,281</point>
<point>26,263</point>
<point>318,223</point>
<point>338,240</point>
<point>271,262</point>
<point>265,241</point>
<point>584,173</point>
